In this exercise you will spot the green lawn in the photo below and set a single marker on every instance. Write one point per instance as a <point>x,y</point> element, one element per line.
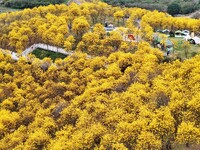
<point>180,51</point>
<point>40,53</point>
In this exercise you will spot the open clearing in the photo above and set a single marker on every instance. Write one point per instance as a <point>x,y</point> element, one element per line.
<point>192,51</point>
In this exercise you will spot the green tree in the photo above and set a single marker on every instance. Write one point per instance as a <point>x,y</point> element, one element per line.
<point>173,9</point>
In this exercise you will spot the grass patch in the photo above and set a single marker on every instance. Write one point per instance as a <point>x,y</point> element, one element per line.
<point>41,54</point>
<point>180,52</point>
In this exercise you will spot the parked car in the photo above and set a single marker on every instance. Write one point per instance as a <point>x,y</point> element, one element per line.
<point>109,28</point>
<point>165,31</point>
<point>186,31</point>
<point>194,40</point>
<point>183,33</point>
<point>160,31</point>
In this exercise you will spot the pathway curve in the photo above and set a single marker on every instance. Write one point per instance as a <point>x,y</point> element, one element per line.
<point>45,47</point>
<point>16,56</point>
<point>13,55</point>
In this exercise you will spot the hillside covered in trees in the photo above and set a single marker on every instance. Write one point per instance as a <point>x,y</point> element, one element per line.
<point>183,6</point>
<point>110,94</point>
<point>170,6</point>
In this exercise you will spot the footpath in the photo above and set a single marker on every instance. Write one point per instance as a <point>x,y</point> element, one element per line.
<point>16,56</point>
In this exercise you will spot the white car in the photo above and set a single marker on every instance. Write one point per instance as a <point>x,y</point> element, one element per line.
<point>194,40</point>
<point>179,33</point>
<point>186,31</point>
<point>109,28</point>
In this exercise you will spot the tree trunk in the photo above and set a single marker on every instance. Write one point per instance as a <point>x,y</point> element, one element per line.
<point>168,145</point>
<point>186,53</point>
<point>187,145</point>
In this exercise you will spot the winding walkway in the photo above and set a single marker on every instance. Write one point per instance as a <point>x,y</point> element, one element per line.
<point>16,56</point>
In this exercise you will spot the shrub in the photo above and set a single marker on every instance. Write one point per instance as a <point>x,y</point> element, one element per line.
<point>193,54</point>
<point>173,9</point>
